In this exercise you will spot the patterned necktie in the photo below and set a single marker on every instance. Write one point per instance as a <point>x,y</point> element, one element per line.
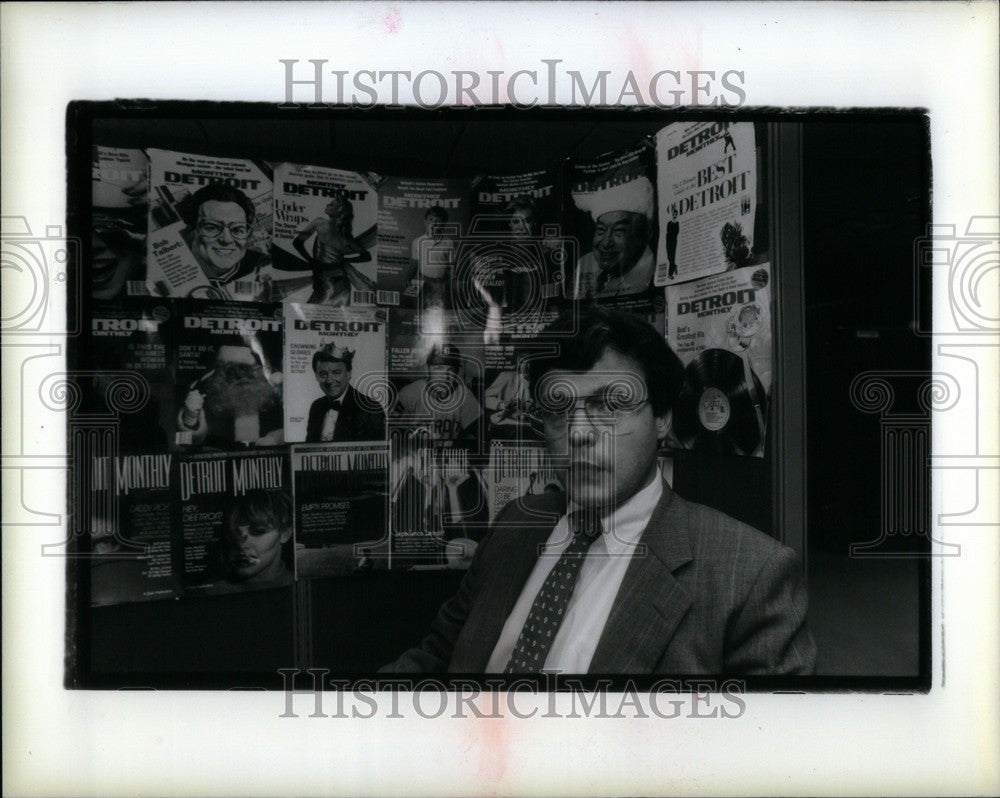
<point>549,607</point>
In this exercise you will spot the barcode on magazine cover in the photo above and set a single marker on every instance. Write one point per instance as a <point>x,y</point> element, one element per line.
<point>362,297</point>
<point>388,297</point>
<point>137,288</point>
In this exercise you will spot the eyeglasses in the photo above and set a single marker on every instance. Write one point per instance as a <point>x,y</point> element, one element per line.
<point>603,409</point>
<point>237,230</point>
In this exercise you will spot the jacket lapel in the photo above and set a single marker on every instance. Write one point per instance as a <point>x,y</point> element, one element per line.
<point>517,549</point>
<point>650,603</point>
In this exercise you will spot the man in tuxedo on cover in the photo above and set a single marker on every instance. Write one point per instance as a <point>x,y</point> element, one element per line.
<point>342,413</point>
<point>617,574</point>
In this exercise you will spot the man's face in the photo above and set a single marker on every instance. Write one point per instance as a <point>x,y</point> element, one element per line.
<point>609,460</point>
<point>215,245</point>
<point>333,378</point>
<point>237,365</point>
<point>521,223</point>
<point>255,549</point>
<point>237,383</point>
<point>432,226</point>
<point>617,243</point>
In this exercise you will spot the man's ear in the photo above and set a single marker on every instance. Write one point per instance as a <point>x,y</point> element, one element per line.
<point>286,534</point>
<point>663,425</point>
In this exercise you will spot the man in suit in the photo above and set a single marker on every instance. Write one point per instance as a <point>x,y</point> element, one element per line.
<point>342,413</point>
<point>673,229</point>
<point>618,575</point>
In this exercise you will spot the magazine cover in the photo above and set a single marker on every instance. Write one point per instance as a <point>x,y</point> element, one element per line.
<point>436,374</point>
<point>341,495</point>
<point>611,211</point>
<point>130,351</point>
<point>120,199</point>
<point>335,376</point>
<point>236,521</point>
<point>720,327</point>
<point>707,188</point>
<point>325,229</point>
<point>131,517</point>
<point>228,377</point>
<point>420,224</point>
<point>519,470</point>
<point>507,402</point>
<point>438,507</point>
<point>514,257</point>
<point>209,227</point>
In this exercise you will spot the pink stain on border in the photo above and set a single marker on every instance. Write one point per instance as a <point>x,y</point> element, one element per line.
<point>392,20</point>
<point>492,740</point>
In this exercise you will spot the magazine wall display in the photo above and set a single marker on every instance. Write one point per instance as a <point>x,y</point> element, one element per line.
<point>228,377</point>
<point>436,373</point>
<point>325,234</point>
<point>707,187</point>
<point>341,500</point>
<point>420,226</point>
<point>335,377</point>
<point>514,257</point>
<point>324,371</point>
<point>130,350</point>
<point>610,208</point>
<point>236,521</point>
<point>438,507</point>
<point>210,223</point>
<point>120,202</point>
<point>720,327</point>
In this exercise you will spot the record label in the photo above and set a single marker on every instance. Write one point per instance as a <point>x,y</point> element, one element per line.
<point>713,409</point>
<point>717,410</point>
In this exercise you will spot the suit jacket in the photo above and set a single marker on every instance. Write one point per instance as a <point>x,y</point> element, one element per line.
<point>355,421</point>
<point>704,594</point>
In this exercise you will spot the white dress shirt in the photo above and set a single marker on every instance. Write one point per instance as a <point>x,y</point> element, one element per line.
<point>330,419</point>
<point>600,578</point>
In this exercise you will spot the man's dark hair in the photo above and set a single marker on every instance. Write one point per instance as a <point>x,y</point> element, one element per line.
<point>324,355</point>
<point>219,193</point>
<point>438,213</point>
<point>581,340</point>
<point>261,507</point>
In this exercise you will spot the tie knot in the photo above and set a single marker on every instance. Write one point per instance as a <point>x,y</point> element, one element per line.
<point>333,404</point>
<point>586,526</point>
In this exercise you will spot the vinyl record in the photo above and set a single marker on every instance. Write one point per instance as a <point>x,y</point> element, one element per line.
<point>715,410</point>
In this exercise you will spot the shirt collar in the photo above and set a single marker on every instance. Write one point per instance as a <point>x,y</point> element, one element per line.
<point>624,525</point>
